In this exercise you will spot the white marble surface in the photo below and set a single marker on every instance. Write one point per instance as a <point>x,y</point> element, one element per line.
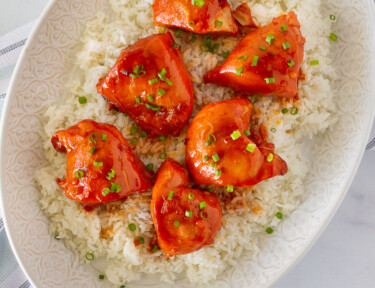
<point>344,256</point>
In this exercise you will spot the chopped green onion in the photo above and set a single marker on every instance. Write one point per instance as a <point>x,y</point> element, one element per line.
<point>141,241</point>
<point>163,155</point>
<point>262,48</point>
<point>176,223</point>
<point>151,154</point>
<point>206,158</point>
<point>239,71</point>
<point>111,174</point>
<point>162,138</point>
<point>286,45</point>
<point>132,75</point>
<point>191,23</point>
<point>153,107</point>
<point>90,256</point>
<point>242,58</point>
<point>79,174</point>
<point>82,100</point>
<point>191,196</point>
<point>213,164</point>
<point>193,39</point>
<point>333,37</point>
<point>225,55</point>
<point>285,110</point>
<point>133,130</point>
<point>188,213</point>
<point>150,167</point>
<point>269,230</point>
<point>218,173</point>
<point>125,115</point>
<point>216,46</point>
<point>279,215</point>
<point>270,80</point>
<point>170,195</point>
<point>143,134</point>
<point>101,276</point>
<point>273,130</point>
<point>175,45</point>
<point>209,189</point>
<point>284,28</point>
<point>153,81</point>
<point>98,164</point>
<point>162,29</point>
<point>161,74</point>
<point>202,204</point>
<point>291,63</point>
<point>150,98</point>
<point>179,33</point>
<point>123,286</point>
<point>219,23</point>
<point>132,227</point>
<point>235,135</point>
<point>93,138</point>
<point>104,137</point>
<point>216,157</point>
<point>230,188</point>
<point>199,3</point>
<point>138,100</point>
<point>332,17</point>
<point>161,92</point>
<point>115,187</point>
<point>270,38</point>
<point>92,150</point>
<point>270,157</point>
<point>247,133</point>
<point>294,111</point>
<point>154,247</point>
<point>204,214</point>
<point>314,62</point>
<point>105,192</point>
<point>255,61</point>
<point>169,82</point>
<point>250,148</point>
<point>208,143</point>
<point>212,138</point>
<point>133,141</point>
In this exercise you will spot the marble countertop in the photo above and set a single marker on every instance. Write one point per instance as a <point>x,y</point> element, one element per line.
<point>344,255</point>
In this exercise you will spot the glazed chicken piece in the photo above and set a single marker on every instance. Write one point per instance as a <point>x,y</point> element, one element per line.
<point>150,83</point>
<point>185,219</point>
<point>220,149</point>
<point>101,166</point>
<point>266,61</point>
<point>198,16</point>
<point>242,14</point>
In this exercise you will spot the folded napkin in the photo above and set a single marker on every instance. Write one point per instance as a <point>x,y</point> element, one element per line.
<point>11,46</point>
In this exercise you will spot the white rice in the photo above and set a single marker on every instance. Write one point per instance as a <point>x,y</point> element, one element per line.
<point>104,232</point>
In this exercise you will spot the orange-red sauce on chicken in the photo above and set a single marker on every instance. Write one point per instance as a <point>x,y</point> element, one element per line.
<point>266,61</point>
<point>150,83</point>
<point>101,166</point>
<point>219,152</point>
<point>242,14</point>
<point>208,16</point>
<point>185,219</point>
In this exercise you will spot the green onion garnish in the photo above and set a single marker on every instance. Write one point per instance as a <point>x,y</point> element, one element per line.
<point>216,157</point>
<point>132,227</point>
<point>333,37</point>
<point>294,111</point>
<point>188,213</point>
<point>270,80</point>
<point>332,17</point>
<point>133,130</point>
<point>202,204</point>
<point>225,55</point>
<point>269,230</point>
<point>242,58</point>
<point>92,150</point>
<point>141,241</point>
<point>169,82</point>
<point>209,189</point>
<point>170,195</point>
<point>90,256</point>
<point>247,133</point>
<point>206,158</point>
<point>150,167</point>
<point>213,164</point>
<point>219,23</point>
<point>101,276</point>
<point>279,215</point>
<point>98,164</point>
<point>115,187</point>
<point>153,107</point>
<point>93,138</point>
<point>153,81</point>
<point>284,28</point>
<point>79,174</point>
<point>154,248</point>
<point>105,192</point>
<point>82,100</point>
<point>208,143</point>
<point>270,157</point>
<point>286,45</point>
<point>175,45</point>
<point>250,148</point>
<point>255,61</point>
<point>163,155</point>
<point>138,100</point>
<point>133,141</point>
<point>239,71</point>
<point>161,74</point>
<point>191,196</point>
<point>314,62</point>
<point>161,92</point>
<point>270,38</point>
<point>273,130</point>
<point>218,173</point>
<point>176,223</point>
<point>179,33</point>
<point>150,98</point>
<point>162,29</point>
<point>291,63</point>
<point>162,138</point>
<point>262,48</point>
<point>204,214</point>
<point>199,3</point>
<point>285,110</point>
<point>235,135</point>
<point>143,134</point>
<point>111,174</point>
<point>104,137</point>
<point>230,188</point>
<point>151,154</point>
<point>212,138</point>
<point>191,23</point>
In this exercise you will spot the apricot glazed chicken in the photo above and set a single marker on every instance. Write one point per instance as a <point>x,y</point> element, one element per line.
<point>101,166</point>
<point>198,16</point>
<point>185,219</point>
<point>266,61</point>
<point>221,149</point>
<point>242,14</point>
<point>150,83</point>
